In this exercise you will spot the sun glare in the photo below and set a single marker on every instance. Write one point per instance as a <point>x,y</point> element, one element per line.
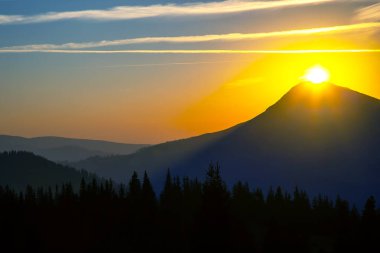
<point>317,75</point>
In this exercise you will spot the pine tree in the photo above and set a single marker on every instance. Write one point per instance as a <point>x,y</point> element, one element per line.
<point>171,213</point>
<point>82,189</point>
<point>369,212</point>
<point>134,213</point>
<point>242,207</point>
<point>370,233</point>
<point>215,217</point>
<point>134,190</point>
<point>148,215</point>
<point>166,194</point>
<point>148,196</point>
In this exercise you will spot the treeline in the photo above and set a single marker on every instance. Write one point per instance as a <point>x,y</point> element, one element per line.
<point>20,168</point>
<point>188,216</point>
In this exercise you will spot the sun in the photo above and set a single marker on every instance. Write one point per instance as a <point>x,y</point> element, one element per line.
<point>317,75</point>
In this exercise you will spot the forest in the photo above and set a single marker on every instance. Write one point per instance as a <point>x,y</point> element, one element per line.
<point>189,215</point>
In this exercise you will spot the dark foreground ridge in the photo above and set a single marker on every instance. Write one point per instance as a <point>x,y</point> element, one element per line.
<point>188,216</point>
<point>19,169</point>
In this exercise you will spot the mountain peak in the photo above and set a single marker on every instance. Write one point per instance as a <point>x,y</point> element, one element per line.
<point>326,96</point>
<point>323,138</point>
<point>307,91</point>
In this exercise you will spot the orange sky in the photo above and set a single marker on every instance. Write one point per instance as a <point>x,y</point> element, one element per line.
<point>264,81</point>
<point>154,97</point>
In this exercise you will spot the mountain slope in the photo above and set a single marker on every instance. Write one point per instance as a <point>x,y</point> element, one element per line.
<point>19,169</point>
<point>324,139</point>
<point>66,149</point>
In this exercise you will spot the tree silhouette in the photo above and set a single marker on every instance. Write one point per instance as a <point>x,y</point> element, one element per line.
<point>134,217</point>
<point>370,225</point>
<point>191,215</point>
<point>148,215</point>
<point>214,225</point>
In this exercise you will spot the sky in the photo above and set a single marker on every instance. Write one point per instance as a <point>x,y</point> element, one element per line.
<point>153,71</point>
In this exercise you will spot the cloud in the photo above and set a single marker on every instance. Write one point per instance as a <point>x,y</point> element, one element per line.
<point>369,13</point>
<point>169,64</point>
<point>136,12</point>
<point>9,19</point>
<point>201,38</point>
<point>191,51</point>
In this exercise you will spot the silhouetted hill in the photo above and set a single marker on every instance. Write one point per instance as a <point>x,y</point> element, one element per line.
<point>19,169</point>
<point>66,149</point>
<point>323,139</point>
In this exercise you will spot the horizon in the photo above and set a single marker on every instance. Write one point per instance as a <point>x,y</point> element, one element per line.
<point>320,86</point>
<point>186,126</point>
<point>151,72</point>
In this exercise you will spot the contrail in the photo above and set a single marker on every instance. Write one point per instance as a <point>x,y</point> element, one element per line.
<point>170,64</point>
<point>201,38</point>
<point>191,51</point>
<point>157,10</point>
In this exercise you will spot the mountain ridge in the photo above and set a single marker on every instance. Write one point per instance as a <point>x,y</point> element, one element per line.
<point>19,169</point>
<point>321,138</point>
<point>66,149</point>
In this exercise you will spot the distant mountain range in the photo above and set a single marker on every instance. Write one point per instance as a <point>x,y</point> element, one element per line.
<point>66,149</point>
<point>324,139</point>
<point>18,169</point>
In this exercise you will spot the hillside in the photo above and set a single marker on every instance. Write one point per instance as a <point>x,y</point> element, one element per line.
<point>66,149</point>
<point>324,139</point>
<point>19,169</point>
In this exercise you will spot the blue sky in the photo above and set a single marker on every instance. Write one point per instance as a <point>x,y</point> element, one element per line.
<point>77,30</point>
<point>45,92</point>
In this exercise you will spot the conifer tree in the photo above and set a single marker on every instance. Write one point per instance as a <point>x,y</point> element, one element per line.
<point>215,218</point>
<point>134,190</point>
<point>369,212</point>
<point>148,196</point>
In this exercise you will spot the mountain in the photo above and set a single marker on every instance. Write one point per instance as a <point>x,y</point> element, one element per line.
<point>19,169</point>
<point>66,149</point>
<point>324,139</point>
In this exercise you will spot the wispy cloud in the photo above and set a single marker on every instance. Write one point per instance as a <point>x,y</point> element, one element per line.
<point>369,13</point>
<point>201,38</point>
<point>10,19</point>
<point>170,64</point>
<point>193,51</point>
<point>136,12</point>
